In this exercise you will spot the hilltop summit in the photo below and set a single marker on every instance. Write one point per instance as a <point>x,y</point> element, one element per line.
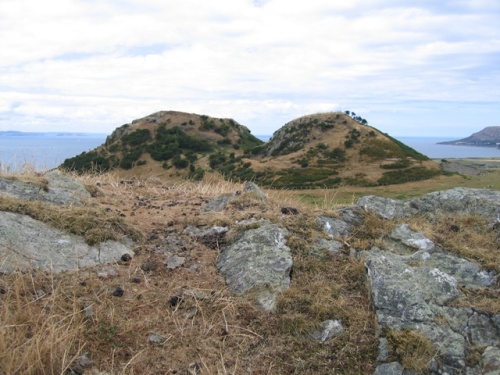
<point>321,150</point>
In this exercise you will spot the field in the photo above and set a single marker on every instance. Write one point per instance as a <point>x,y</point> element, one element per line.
<point>490,179</point>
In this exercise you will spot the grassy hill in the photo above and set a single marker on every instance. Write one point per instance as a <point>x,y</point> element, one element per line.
<point>315,151</point>
<point>188,143</point>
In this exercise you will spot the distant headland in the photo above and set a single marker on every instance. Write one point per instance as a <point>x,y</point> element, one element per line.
<point>16,133</point>
<point>488,137</point>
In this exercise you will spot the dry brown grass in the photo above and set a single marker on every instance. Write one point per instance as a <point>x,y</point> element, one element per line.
<point>412,349</point>
<point>470,237</point>
<point>41,325</point>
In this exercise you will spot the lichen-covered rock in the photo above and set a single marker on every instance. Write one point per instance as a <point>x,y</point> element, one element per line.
<point>481,202</point>
<point>26,243</point>
<point>323,246</point>
<point>59,189</point>
<point>491,361</point>
<point>413,292</point>
<point>259,262</point>
<point>333,226</point>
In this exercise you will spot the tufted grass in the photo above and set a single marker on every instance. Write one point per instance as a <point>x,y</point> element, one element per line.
<point>467,236</point>
<point>412,349</point>
<point>40,325</point>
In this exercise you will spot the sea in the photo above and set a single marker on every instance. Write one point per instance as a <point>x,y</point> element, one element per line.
<point>45,151</point>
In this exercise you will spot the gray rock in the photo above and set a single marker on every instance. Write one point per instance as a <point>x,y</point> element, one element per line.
<point>26,243</point>
<point>408,297</point>
<point>251,187</point>
<point>107,273</point>
<point>61,189</point>
<point>383,349</point>
<point>481,202</point>
<point>333,226</point>
<point>386,208</point>
<point>259,262</point>
<point>175,261</point>
<point>156,339</point>
<point>331,247</point>
<point>483,330</point>
<point>491,361</point>
<point>393,368</point>
<point>197,294</point>
<point>328,330</point>
<point>412,240</point>
<point>220,203</point>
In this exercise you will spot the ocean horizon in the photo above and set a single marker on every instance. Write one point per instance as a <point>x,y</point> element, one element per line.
<point>44,151</point>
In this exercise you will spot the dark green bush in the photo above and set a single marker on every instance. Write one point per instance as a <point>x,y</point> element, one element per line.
<point>180,163</point>
<point>137,138</point>
<point>87,162</point>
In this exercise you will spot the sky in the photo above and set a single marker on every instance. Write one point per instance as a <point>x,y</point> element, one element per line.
<point>410,68</point>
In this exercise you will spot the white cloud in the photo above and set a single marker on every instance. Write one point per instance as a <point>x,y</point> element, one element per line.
<point>98,64</point>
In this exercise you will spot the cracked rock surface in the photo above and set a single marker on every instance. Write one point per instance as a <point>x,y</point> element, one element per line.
<point>26,243</point>
<point>414,283</point>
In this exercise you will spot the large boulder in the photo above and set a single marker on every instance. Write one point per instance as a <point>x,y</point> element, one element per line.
<point>258,263</point>
<point>55,187</point>
<point>481,202</point>
<point>27,244</point>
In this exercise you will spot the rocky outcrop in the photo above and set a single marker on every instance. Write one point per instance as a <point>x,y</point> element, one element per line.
<point>55,187</point>
<point>414,282</point>
<point>27,244</point>
<point>258,264</point>
<point>465,201</point>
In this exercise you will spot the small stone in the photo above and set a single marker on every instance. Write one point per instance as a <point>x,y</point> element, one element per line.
<point>190,313</point>
<point>383,349</point>
<point>289,211</point>
<point>88,310</point>
<point>197,294</point>
<point>175,300</point>
<point>107,273</point>
<point>328,330</point>
<point>175,261</point>
<point>84,361</point>
<point>118,292</point>
<point>126,257</point>
<point>156,339</point>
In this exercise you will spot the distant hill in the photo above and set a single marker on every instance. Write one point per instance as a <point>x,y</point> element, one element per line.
<point>488,137</point>
<point>314,151</point>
